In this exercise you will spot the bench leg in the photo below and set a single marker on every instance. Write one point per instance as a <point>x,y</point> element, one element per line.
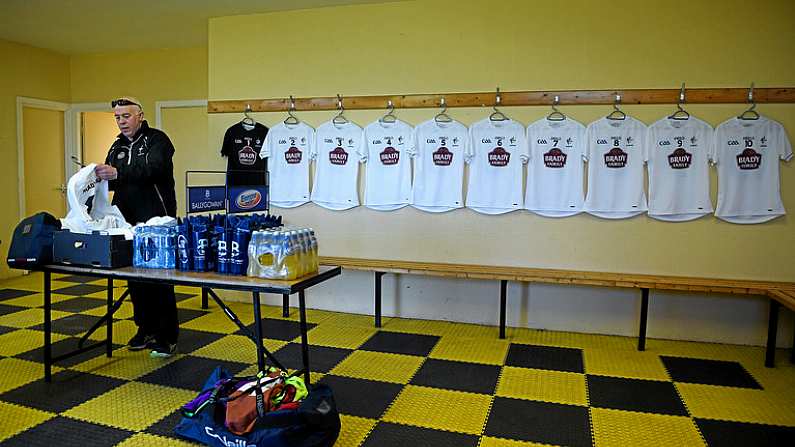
<point>772,331</point>
<point>503,300</point>
<point>644,315</point>
<point>205,303</point>
<point>378,276</point>
<point>285,305</point>
<point>792,354</point>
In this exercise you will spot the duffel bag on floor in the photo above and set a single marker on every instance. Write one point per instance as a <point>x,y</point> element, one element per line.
<point>31,244</point>
<point>315,423</point>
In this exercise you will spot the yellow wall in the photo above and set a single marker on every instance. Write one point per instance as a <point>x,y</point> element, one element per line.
<point>31,72</point>
<point>468,45</point>
<point>155,75</point>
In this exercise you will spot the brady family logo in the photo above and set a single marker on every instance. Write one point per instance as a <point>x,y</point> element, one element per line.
<point>227,442</point>
<point>442,157</point>
<point>680,159</point>
<point>247,156</point>
<point>499,157</point>
<point>389,156</point>
<point>248,199</point>
<point>555,158</point>
<point>338,156</point>
<point>616,158</point>
<point>749,159</point>
<point>293,156</point>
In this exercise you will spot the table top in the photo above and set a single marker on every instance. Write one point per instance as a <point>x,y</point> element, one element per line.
<point>202,279</point>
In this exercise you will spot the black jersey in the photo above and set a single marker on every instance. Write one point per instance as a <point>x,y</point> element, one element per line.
<point>241,148</point>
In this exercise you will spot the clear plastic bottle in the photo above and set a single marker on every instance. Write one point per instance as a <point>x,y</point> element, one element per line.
<point>291,256</point>
<point>314,250</point>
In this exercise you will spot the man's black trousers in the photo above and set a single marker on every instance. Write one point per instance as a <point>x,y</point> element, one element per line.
<point>155,310</point>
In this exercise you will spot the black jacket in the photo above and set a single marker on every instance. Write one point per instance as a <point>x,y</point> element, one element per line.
<point>144,187</point>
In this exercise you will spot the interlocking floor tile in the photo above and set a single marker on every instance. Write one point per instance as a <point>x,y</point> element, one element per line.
<point>728,433</point>
<point>80,304</point>
<point>543,385</point>
<point>6,294</point>
<point>135,405</point>
<point>618,428</point>
<point>185,315</point>
<point>62,347</point>
<point>189,372</point>
<point>67,389</point>
<point>545,357</point>
<point>400,343</point>
<point>649,396</point>
<point>191,340</point>
<point>79,278</point>
<point>279,329</point>
<point>460,376</point>
<point>63,431</point>
<point>709,372</point>
<point>360,397</point>
<point>386,434</point>
<point>74,324</point>
<point>539,422</point>
<point>80,289</point>
<point>7,310</point>
<point>321,358</point>
<point>440,409</point>
<point>15,419</point>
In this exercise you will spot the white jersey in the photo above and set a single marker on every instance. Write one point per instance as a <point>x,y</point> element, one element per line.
<point>288,148</point>
<point>746,153</point>
<point>497,153</point>
<point>439,154</point>
<point>555,168</point>
<point>338,149</point>
<point>388,157</point>
<point>615,153</point>
<point>678,163</point>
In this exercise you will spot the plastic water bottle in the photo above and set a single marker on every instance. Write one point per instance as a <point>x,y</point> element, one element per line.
<point>315,254</point>
<point>165,241</point>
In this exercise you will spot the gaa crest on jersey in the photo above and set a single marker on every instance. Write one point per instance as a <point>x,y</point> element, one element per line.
<point>389,156</point>
<point>247,156</point>
<point>616,158</point>
<point>680,159</point>
<point>442,157</point>
<point>749,159</point>
<point>555,158</point>
<point>499,157</point>
<point>338,156</point>
<point>293,155</point>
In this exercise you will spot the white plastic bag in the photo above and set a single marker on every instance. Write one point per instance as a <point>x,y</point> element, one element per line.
<point>103,216</point>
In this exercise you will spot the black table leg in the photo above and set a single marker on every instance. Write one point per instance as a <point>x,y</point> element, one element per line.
<point>285,305</point>
<point>503,303</point>
<point>47,328</point>
<point>378,276</point>
<point>644,316</point>
<point>109,351</point>
<point>304,338</point>
<point>258,332</point>
<point>205,304</point>
<point>772,331</point>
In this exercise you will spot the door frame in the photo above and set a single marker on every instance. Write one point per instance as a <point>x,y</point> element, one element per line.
<point>35,103</point>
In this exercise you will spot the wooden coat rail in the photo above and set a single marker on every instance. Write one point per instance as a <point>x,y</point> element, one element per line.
<point>528,98</point>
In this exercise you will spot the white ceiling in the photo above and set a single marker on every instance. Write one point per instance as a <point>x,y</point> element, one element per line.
<point>101,26</point>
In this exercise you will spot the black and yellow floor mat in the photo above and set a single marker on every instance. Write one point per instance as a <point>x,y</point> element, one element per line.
<point>410,383</point>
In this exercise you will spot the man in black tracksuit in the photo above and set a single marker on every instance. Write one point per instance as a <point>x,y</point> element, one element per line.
<point>140,172</point>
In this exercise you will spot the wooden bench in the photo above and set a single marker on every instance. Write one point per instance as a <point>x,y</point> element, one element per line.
<point>779,293</point>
